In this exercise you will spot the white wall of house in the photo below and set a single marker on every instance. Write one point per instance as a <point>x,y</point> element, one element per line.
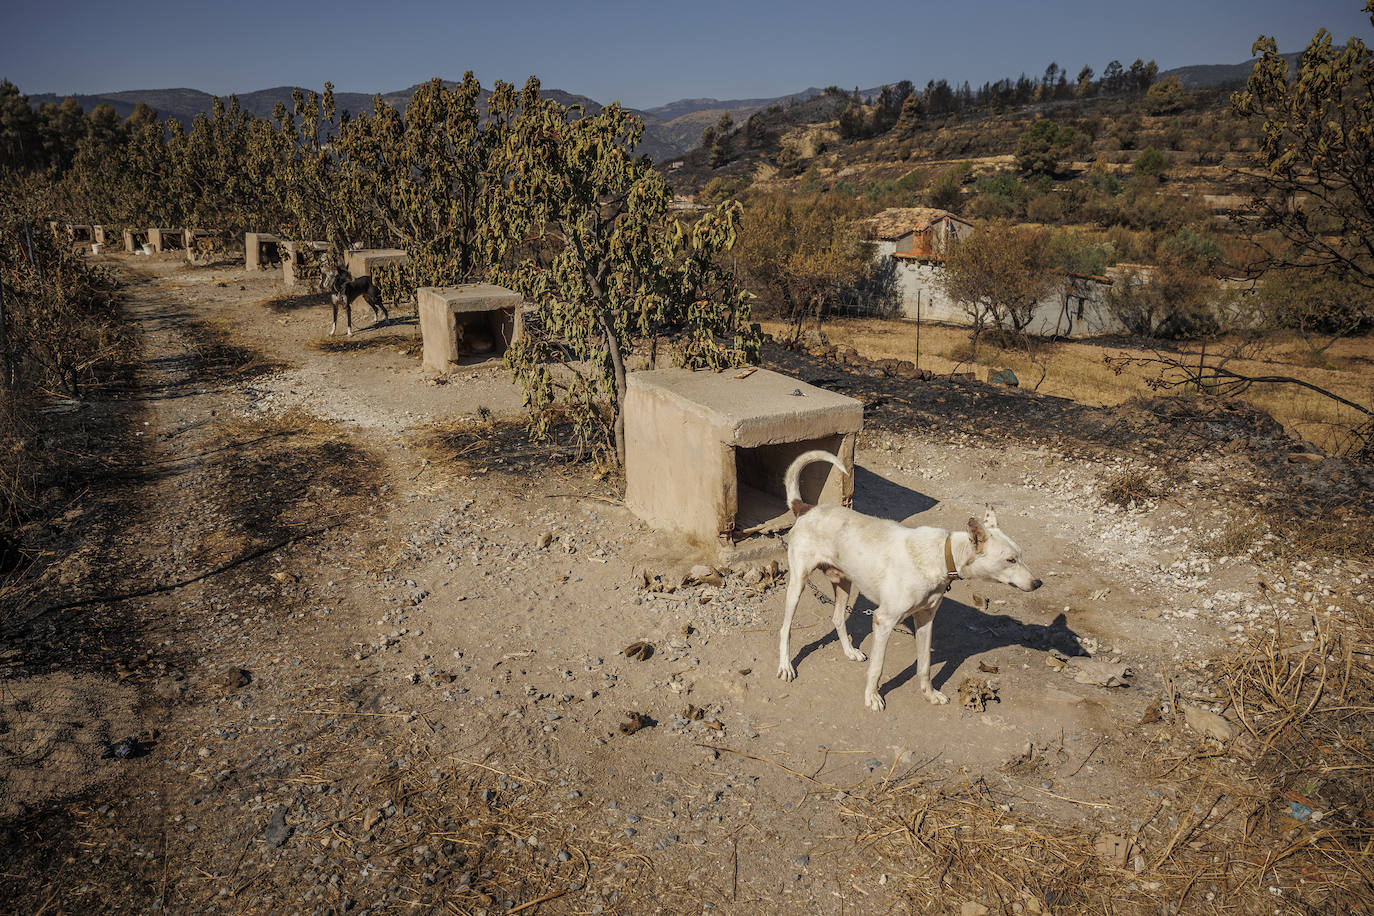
<point>919,290</point>
<point>921,294</point>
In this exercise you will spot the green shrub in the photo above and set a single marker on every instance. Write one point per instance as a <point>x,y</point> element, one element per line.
<point>1151,163</point>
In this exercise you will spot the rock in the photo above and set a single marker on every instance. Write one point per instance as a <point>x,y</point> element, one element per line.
<point>1305,458</point>
<point>970,908</point>
<point>1114,848</point>
<point>1207,723</point>
<point>234,677</point>
<point>544,540</point>
<point>277,832</point>
<point>123,749</point>
<point>639,651</point>
<point>634,721</point>
<point>1098,672</point>
<point>1003,377</point>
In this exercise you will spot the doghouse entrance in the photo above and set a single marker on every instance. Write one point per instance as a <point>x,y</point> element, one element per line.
<point>761,494</point>
<point>481,335</point>
<point>467,324</point>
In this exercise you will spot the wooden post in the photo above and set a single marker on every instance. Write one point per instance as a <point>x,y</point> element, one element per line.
<point>918,329</point>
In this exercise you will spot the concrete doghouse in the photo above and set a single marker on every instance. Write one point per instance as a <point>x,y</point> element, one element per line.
<point>446,312</point>
<point>705,452</point>
<point>255,245</point>
<point>294,256</point>
<point>364,260</point>
<point>160,240</point>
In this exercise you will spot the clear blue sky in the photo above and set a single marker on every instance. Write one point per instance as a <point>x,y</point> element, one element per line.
<point>638,51</point>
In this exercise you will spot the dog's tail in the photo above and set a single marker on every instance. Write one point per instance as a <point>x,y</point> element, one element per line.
<point>793,478</point>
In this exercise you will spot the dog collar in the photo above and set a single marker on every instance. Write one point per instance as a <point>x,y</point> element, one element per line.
<point>951,569</point>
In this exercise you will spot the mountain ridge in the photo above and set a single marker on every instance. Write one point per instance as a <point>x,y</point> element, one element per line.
<point>671,129</point>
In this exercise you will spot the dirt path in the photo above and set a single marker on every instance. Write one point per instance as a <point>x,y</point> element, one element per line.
<point>369,675</point>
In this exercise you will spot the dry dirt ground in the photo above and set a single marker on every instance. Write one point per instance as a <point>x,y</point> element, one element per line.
<point>370,643</point>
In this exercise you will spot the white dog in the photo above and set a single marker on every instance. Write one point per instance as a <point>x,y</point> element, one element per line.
<point>903,570</point>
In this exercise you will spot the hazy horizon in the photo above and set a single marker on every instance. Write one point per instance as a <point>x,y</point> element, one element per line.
<point>614,50</point>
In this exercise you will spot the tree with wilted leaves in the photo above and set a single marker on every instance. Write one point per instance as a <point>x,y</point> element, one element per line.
<point>424,177</point>
<point>998,275</point>
<point>317,203</point>
<point>582,227</point>
<point>1315,182</point>
<point>800,251</point>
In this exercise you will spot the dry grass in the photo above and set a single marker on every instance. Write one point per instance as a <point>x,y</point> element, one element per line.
<point>1076,370</point>
<point>294,422</point>
<point>485,443</point>
<point>1278,819</point>
<point>406,345</point>
<point>1133,487</point>
<point>1235,537</point>
<point>465,835</point>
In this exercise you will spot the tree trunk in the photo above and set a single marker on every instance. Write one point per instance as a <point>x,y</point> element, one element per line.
<point>618,367</point>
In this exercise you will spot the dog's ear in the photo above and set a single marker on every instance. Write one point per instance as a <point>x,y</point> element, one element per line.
<point>977,534</point>
<point>990,517</point>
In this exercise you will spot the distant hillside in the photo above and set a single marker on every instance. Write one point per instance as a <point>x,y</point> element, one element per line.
<point>803,145</point>
<point>670,130</point>
<point>1215,76</point>
<point>679,124</point>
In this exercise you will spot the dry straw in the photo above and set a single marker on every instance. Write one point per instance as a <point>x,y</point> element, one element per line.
<point>1279,820</point>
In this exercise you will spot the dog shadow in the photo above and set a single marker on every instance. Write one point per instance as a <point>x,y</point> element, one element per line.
<point>292,302</point>
<point>393,321</point>
<point>876,495</point>
<point>961,632</point>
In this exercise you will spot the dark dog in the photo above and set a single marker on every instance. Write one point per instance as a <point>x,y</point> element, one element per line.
<point>343,289</point>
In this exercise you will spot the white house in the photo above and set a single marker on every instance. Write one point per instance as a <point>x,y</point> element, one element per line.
<point>910,244</point>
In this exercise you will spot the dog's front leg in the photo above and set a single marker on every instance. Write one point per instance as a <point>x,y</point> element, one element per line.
<point>334,325</point>
<point>882,629</point>
<point>796,578</point>
<point>924,621</point>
